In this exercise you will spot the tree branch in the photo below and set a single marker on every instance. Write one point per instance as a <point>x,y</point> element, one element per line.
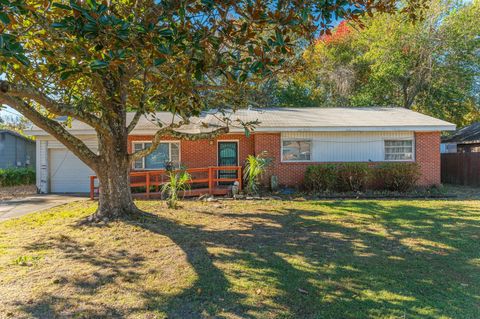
<point>54,128</point>
<point>134,121</point>
<point>21,91</point>
<point>170,131</point>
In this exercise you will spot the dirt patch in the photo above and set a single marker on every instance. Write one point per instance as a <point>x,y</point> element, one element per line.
<point>17,191</point>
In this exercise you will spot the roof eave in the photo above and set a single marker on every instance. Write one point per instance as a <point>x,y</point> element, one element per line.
<point>423,128</point>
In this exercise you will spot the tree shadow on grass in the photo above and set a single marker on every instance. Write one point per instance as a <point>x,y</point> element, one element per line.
<point>397,261</point>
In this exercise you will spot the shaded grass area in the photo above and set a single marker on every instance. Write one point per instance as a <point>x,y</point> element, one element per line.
<point>265,259</point>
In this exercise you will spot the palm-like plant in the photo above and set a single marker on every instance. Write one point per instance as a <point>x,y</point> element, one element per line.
<point>178,181</point>
<point>255,167</point>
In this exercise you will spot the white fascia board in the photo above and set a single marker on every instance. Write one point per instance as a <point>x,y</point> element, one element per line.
<point>358,129</point>
<point>73,132</point>
<point>423,128</point>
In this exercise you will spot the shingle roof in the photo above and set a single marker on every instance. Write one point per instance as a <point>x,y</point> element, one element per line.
<point>295,119</point>
<point>468,134</point>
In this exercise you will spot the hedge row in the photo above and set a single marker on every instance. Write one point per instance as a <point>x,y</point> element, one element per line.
<point>355,177</point>
<point>17,176</point>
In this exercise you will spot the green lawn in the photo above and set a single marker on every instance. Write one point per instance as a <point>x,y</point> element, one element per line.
<point>245,259</point>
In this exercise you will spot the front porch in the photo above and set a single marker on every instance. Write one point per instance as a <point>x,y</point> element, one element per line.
<point>205,180</point>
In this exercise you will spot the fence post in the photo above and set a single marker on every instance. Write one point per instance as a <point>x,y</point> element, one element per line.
<point>147,176</point>
<point>92,187</point>
<point>240,178</point>
<point>210,180</point>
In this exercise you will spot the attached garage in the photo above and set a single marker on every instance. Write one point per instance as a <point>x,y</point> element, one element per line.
<point>61,171</point>
<point>67,173</point>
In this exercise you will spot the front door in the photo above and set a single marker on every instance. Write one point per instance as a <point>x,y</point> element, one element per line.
<point>227,156</point>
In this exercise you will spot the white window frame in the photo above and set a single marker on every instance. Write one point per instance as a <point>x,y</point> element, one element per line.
<point>169,153</point>
<point>400,139</point>
<point>296,139</point>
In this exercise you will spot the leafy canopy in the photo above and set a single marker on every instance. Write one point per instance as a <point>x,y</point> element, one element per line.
<point>431,65</point>
<point>167,55</point>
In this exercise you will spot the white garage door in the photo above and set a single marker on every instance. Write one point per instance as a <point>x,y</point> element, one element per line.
<point>68,174</point>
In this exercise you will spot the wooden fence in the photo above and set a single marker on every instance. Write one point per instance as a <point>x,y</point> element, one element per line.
<point>207,178</point>
<point>461,168</point>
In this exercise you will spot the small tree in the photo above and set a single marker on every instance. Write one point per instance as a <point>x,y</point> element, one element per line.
<point>94,61</point>
<point>255,167</point>
<point>178,181</point>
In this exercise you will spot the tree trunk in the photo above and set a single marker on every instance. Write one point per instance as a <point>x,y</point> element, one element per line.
<point>113,172</point>
<point>115,198</point>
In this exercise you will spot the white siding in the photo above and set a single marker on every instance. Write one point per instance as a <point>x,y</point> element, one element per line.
<point>59,170</point>
<point>42,166</point>
<point>347,146</point>
<point>90,140</point>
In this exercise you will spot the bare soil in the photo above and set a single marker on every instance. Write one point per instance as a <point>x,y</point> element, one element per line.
<point>12,192</point>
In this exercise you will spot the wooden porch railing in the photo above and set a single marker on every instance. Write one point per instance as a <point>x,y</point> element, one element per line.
<point>156,178</point>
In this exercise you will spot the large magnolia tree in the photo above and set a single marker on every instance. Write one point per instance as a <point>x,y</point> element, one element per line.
<point>93,61</point>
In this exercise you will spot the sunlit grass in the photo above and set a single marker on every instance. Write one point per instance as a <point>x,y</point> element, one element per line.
<point>245,259</point>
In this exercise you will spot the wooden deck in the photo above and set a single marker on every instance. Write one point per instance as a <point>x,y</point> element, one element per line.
<point>204,181</point>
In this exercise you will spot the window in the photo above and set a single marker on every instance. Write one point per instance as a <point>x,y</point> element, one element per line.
<point>296,150</point>
<point>165,152</point>
<point>398,150</point>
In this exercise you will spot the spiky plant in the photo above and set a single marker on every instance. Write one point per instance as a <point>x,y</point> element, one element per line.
<point>178,181</point>
<point>255,167</point>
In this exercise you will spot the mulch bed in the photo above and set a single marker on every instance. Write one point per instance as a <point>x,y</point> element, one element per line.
<point>12,192</point>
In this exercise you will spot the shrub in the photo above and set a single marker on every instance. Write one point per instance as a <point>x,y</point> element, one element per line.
<point>400,177</point>
<point>352,177</point>
<point>178,181</point>
<point>17,176</point>
<point>255,167</point>
<point>321,178</point>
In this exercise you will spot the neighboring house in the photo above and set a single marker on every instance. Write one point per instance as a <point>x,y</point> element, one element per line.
<point>16,150</point>
<point>294,138</point>
<point>466,140</point>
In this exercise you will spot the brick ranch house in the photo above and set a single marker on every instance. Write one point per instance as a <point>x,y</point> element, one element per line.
<point>293,137</point>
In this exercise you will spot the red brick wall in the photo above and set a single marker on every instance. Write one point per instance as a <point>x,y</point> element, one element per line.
<point>287,173</point>
<point>427,155</point>
<point>203,153</point>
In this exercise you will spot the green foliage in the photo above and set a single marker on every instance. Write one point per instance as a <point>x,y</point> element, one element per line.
<point>27,260</point>
<point>14,123</point>
<point>431,65</point>
<point>178,181</point>
<point>17,176</point>
<point>352,177</point>
<point>255,167</point>
<point>355,177</point>
<point>191,48</point>
<point>321,178</point>
<point>399,177</point>
<point>95,60</point>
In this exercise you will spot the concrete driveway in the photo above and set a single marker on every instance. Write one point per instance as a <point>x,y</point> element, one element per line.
<point>14,208</point>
